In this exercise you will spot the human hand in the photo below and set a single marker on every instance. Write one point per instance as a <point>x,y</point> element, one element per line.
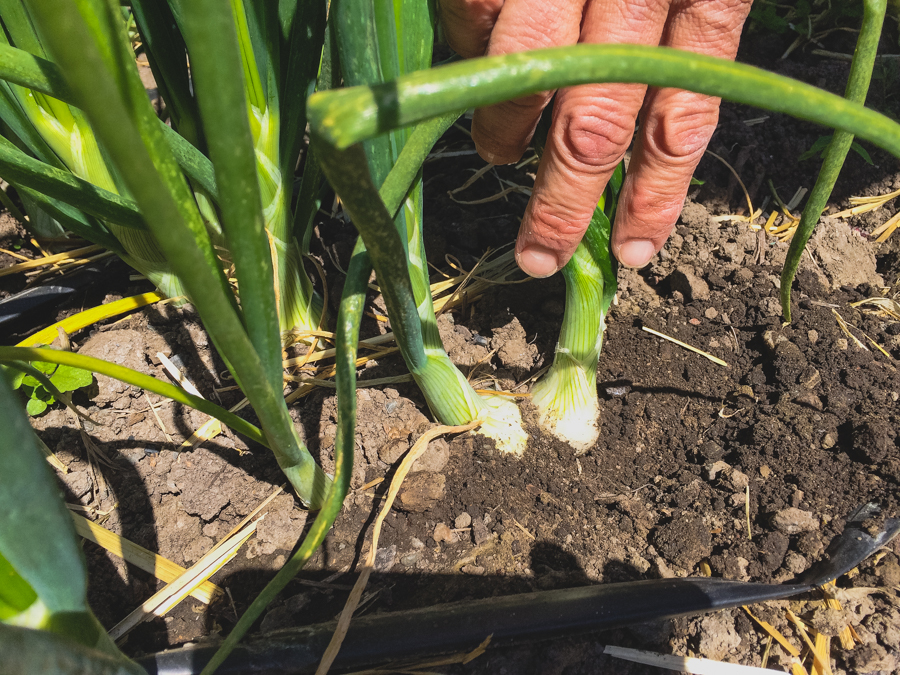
<point>593,124</point>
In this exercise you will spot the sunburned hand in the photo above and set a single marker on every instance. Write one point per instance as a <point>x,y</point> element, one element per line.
<point>593,124</point>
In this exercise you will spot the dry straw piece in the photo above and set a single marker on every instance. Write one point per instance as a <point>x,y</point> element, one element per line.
<point>714,359</point>
<point>173,593</point>
<point>162,568</point>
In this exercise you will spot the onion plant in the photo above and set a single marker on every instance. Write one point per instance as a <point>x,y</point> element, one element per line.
<point>566,395</point>
<point>279,58</point>
<point>397,39</point>
<point>97,75</point>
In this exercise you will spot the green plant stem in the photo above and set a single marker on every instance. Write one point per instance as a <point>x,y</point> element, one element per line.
<point>346,343</point>
<point>209,27</point>
<point>857,88</point>
<point>395,188</point>
<point>344,117</point>
<point>19,168</point>
<point>347,171</point>
<point>43,76</point>
<point>10,355</point>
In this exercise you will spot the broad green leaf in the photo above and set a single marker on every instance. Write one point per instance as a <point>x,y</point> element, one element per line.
<point>67,378</point>
<point>16,378</point>
<point>51,564</point>
<point>35,406</point>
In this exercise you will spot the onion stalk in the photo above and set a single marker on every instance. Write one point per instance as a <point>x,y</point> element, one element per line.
<point>393,235</point>
<point>67,134</point>
<point>566,396</point>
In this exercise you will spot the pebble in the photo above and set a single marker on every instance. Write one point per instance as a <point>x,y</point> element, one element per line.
<point>794,521</point>
<point>463,520</point>
<point>417,544</point>
<point>689,284</point>
<point>475,570</point>
<point>810,378</point>
<point>829,440</point>
<point>812,336</point>
<point>711,313</point>
<point>713,470</point>
<point>794,562</point>
<point>739,479</point>
<point>442,532</point>
<point>480,531</point>
<point>410,559</point>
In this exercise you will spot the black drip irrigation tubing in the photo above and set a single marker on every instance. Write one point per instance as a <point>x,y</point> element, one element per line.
<point>462,626</point>
<point>17,309</point>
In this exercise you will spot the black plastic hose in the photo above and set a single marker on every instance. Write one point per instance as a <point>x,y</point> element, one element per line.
<point>462,626</point>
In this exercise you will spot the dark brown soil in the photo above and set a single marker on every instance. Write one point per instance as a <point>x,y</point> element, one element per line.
<point>804,420</point>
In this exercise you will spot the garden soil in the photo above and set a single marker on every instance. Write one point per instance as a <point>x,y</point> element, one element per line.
<point>743,471</point>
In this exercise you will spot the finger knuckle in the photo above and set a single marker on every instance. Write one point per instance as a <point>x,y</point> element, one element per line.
<point>554,222</point>
<point>683,134</point>
<point>595,138</point>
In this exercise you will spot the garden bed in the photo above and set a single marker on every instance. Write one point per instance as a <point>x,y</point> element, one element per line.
<point>797,430</point>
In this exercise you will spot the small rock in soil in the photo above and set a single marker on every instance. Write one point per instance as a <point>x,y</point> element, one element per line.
<point>514,350</point>
<point>717,636</point>
<point>282,526</point>
<point>78,482</point>
<point>712,451</point>
<point>736,568</point>
<point>843,255</point>
<point>688,284</point>
<point>442,533</point>
<point>872,658</point>
<point>889,572</point>
<point>795,563</point>
<point>684,541</point>
<point>421,491</point>
<point>385,558</point>
<point>480,531</point>
<point>794,521</point>
<point>873,441</point>
<point>393,450</point>
<point>739,480</point>
<point>772,547</point>
<point>462,520</point>
<point>714,470</point>
<point>435,457</point>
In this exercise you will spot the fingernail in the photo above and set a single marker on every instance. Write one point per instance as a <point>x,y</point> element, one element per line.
<point>537,261</point>
<point>636,252</point>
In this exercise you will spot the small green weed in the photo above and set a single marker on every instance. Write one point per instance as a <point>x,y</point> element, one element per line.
<point>64,378</point>
<point>821,145</point>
